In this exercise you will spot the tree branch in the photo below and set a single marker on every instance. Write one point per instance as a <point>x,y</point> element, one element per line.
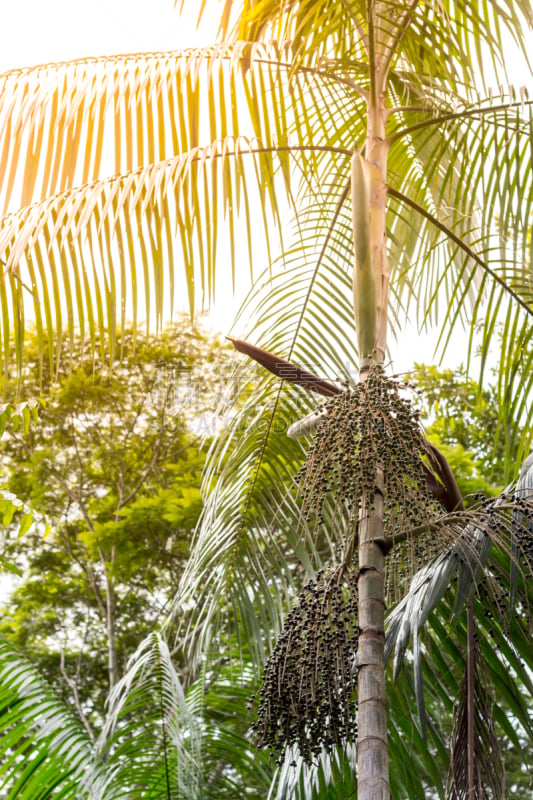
<point>74,689</point>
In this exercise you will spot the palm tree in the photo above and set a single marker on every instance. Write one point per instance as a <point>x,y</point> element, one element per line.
<point>370,123</point>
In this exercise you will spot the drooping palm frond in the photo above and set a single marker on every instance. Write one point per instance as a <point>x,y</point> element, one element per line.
<point>69,124</point>
<point>488,568</point>
<point>134,161</point>
<point>168,742</point>
<point>152,739</point>
<point>438,656</point>
<point>45,750</point>
<point>254,463</point>
<point>80,250</point>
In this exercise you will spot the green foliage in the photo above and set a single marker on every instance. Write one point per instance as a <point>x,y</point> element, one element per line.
<point>463,419</point>
<point>16,418</point>
<point>159,739</point>
<point>114,462</point>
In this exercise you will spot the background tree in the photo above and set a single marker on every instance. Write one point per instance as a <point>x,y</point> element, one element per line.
<point>102,429</point>
<point>464,421</point>
<point>115,465</point>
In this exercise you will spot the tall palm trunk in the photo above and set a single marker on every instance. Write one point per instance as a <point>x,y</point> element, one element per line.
<point>372,750</point>
<point>371,278</point>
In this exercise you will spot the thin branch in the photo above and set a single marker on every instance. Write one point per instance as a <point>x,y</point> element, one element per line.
<point>149,468</point>
<point>71,495</point>
<point>74,689</point>
<point>89,574</point>
<point>111,607</point>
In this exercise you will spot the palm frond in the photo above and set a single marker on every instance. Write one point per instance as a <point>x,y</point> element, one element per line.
<point>520,538</point>
<point>116,114</point>
<point>78,251</point>
<point>469,252</point>
<point>159,741</point>
<point>446,44</point>
<point>485,559</point>
<point>90,247</point>
<point>45,750</point>
<point>152,739</point>
<point>315,31</point>
<point>166,741</point>
<point>240,536</point>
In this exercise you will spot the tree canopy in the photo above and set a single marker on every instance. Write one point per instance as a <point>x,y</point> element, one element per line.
<point>114,464</point>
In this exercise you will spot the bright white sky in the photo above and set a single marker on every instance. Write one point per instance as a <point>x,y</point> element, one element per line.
<point>38,31</point>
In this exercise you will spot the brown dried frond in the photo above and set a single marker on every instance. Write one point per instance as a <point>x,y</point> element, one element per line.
<point>489,772</point>
<point>308,693</point>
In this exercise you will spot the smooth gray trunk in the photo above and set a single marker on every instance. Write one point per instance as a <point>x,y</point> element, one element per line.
<point>372,748</point>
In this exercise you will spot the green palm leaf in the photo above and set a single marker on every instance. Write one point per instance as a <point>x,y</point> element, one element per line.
<point>158,741</point>
<point>489,569</point>
<point>45,750</point>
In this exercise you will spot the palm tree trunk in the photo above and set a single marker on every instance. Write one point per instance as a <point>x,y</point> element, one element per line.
<point>372,749</point>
